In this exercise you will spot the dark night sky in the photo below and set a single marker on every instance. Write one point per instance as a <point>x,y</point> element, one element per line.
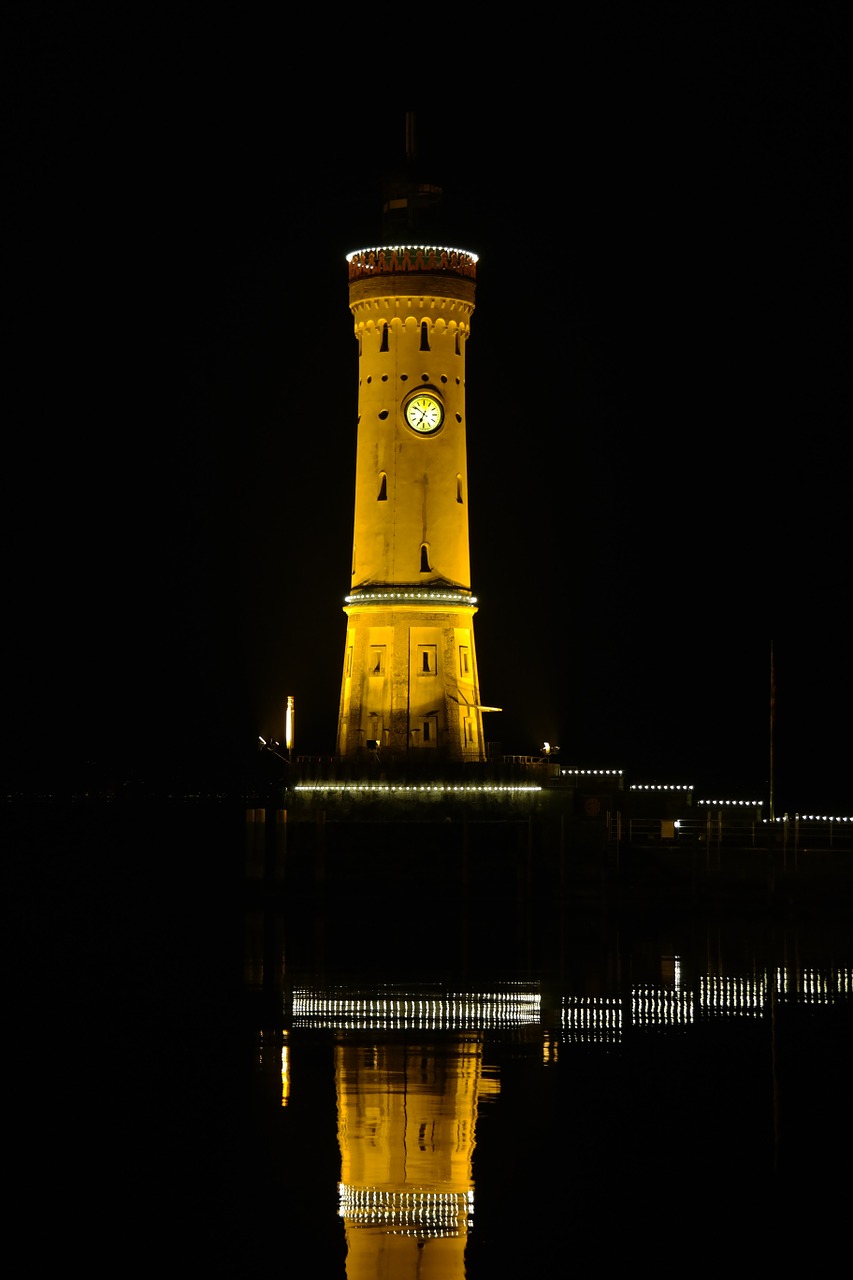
<point>660,241</point>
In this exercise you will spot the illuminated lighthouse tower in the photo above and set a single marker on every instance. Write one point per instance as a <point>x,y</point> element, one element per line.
<point>410,683</point>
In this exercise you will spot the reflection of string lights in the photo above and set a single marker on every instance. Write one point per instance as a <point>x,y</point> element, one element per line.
<point>417,1212</point>
<point>733,997</point>
<point>435,1011</point>
<point>655,1006</point>
<point>592,1019</point>
<point>583,1019</point>
<point>816,988</point>
<point>597,1019</point>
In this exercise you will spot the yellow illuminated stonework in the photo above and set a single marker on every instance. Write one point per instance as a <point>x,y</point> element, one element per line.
<point>410,687</point>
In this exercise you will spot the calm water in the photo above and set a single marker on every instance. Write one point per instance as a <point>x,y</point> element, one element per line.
<point>213,1079</point>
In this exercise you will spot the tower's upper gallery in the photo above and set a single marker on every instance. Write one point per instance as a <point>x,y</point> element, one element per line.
<point>401,259</point>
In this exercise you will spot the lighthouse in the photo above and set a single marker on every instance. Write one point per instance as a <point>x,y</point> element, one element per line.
<point>410,688</point>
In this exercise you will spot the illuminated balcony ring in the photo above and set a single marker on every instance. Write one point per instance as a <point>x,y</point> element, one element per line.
<point>413,595</point>
<point>401,259</point>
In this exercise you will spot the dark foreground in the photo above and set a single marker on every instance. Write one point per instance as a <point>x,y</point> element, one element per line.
<point>680,1098</point>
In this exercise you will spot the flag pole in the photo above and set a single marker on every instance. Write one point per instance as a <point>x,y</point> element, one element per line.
<point>772,714</point>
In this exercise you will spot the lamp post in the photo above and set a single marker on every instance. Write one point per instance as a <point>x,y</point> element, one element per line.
<point>289,717</point>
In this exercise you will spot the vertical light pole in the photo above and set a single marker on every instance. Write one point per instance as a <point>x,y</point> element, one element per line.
<point>288,729</point>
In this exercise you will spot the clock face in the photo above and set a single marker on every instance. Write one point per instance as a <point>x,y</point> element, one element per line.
<point>424,413</point>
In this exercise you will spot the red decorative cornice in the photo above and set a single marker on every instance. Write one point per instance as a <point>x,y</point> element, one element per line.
<point>400,259</point>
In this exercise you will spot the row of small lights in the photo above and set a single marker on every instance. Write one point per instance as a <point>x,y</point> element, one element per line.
<point>746,804</point>
<point>749,804</point>
<point>454,596</point>
<point>408,248</point>
<point>377,786</point>
<point>469,789</point>
<point>798,817</point>
<point>813,817</point>
<point>607,773</point>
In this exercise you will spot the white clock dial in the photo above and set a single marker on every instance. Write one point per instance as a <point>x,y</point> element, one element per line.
<point>424,413</point>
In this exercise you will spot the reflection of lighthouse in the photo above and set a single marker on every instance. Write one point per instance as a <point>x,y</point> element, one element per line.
<point>406,1119</point>
<point>410,1076</point>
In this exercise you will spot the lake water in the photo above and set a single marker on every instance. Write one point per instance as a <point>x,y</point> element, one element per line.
<point>213,1077</point>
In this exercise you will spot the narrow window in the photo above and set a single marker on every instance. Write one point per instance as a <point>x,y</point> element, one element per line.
<point>377,660</point>
<point>349,661</point>
<point>457,342</point>
<point>425,568</point>
<point>464,664</point>
<point>458,488</point>
<point>383,487</point>
<point>428,732</point>
<point>427,659</point>
<point>383,346</point>
<point>424,336</point>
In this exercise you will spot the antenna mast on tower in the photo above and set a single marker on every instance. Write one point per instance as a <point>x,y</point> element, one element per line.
<point>410,206</point>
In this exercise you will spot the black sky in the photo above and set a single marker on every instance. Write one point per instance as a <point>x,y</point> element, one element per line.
<point>656,399</point>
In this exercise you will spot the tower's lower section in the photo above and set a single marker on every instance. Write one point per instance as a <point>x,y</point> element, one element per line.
<point>410,689</point>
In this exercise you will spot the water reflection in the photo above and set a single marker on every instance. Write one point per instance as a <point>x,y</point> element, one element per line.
<point>407,1114</point>
<point>650,1067</point>
<point>251,1082</point>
